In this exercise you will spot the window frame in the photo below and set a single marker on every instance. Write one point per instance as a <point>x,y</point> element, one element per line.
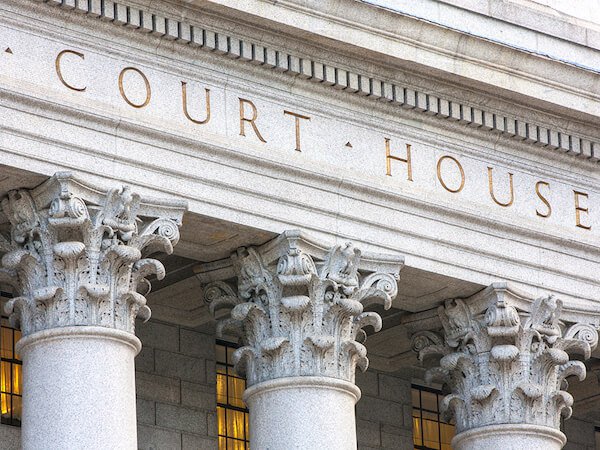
<point>439,421</point>
<point>12,420</point>
<point>228,406</point>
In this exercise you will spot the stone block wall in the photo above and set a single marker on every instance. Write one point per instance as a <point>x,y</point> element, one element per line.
<point>384,413</point>
<point>176,388</point>
<point>581,435</point>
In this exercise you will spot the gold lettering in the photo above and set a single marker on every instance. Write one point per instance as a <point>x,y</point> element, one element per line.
<point>59,71</point>
<point>491,188</point>
<point>389,157</point>
<point>543,199</point>
<point>251,121</point>
<point>122,90</point>
<point>185,108</point>
<point>462,174</point>
<point>579,209</point>
<point>297,118</point>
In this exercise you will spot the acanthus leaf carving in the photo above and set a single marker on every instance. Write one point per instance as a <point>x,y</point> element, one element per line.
<point>300,314</point>
<point>79,262</point>
<point>505,365</point>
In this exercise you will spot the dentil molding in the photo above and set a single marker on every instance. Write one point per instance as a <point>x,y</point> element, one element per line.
<point>235,47</point>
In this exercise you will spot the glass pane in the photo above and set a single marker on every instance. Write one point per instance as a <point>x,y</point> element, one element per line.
<point>222,443</point>
<point>447,432</point>
<point>430,416</point>
<point>5,384</point>
<point>235,424</point>
<point>6,343</point>
<point>429,401</point>
<point>221,368</point>
<point>16,405</point>
<point>221,426</point>
<point>417,431</point>
<point>16,380</point>
<point>5,405</point>
<point>234,444</point>
<point>431,434</point>
<point>221,354</point>
<point>236,390</point>
<point>230,351</point>
<point>222,389</point>
<point>416,401</point>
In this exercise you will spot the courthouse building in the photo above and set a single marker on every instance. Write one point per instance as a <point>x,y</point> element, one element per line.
<point>299,224</point>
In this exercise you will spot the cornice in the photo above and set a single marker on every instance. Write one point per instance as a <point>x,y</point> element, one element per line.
<point>358,84</point>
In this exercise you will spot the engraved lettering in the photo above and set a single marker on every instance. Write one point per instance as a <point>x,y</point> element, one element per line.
<point>57,65</point>
<point>389,158</point>
<point>185,107</point>
<point>251,121</point>
<point>460,168</point>
<point>297,118</point>
<point>579,209</point>
<point>491,188</point>
<point>543,199</point>
<point>122,89</point>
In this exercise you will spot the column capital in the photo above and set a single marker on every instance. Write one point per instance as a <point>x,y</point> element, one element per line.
<point>76,255</point>
<point>298,306</point>
<point>505,364</point>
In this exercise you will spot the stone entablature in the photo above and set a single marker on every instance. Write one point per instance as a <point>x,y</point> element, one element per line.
<point>299,307</point>
<point>362,84</point>
<point>505,364</point>
<point>76,256</point>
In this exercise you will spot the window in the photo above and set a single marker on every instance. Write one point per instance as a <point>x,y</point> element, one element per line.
<point>10,375</point>
<point>232,414</point>
<point>429,432</point>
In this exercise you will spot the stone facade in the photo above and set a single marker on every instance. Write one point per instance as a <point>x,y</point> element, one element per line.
<point>379,194</point>
<point>176,390</point>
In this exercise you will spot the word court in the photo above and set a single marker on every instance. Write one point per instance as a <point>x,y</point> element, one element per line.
<point>206,109</point>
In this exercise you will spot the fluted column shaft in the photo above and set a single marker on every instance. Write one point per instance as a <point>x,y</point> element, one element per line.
<point>506,362</point>
<point>75,262</point>
<point>298,310</point>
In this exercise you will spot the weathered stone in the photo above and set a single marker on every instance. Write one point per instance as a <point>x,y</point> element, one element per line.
<point>197,344</point>
<point>76,257</point>
<point>368,433</point>
<point>159,335</point>
<point>299,311</point>
<point>507,365</point>
<point>194,442</point>
<point>158,388</point>
<point>368,382</point>
<point>180,366</point>
<point>146,411</point>
<point>154,438</point>
<point>181,418</point>
<point>198,395</point>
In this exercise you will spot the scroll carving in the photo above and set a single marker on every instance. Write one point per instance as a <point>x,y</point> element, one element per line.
<point>506,365</point>
<point>73,261</point>
<point>299,314</point>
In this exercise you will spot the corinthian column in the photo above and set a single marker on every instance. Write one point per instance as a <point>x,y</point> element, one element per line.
<point>506,362</point>
<point>298,309</point>
<point>75,261</point>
